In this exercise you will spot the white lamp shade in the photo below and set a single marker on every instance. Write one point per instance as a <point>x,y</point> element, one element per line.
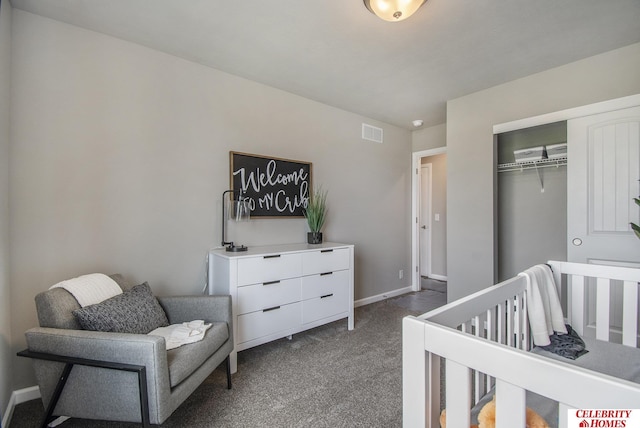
<point>393,10</point>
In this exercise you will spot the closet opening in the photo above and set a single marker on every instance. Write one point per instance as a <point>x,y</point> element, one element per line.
<point>531,197</point>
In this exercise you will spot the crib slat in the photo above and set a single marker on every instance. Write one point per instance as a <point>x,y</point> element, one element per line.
<point>629,314</point>
<point>576,284</point>
<point>510,406</point>
<point>476,375</point>
<point>603,294</point>
<point>458,395</point>
<point>521,321</point>
<point>477,386</point>
<point>490,336</point>
<point>509,326</point>
<point>525,319</point>
<point>500,323</point>
<point>563,420</point>
<point>517,322</point>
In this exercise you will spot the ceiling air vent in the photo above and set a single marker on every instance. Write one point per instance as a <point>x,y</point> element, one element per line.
<point>371,133</point>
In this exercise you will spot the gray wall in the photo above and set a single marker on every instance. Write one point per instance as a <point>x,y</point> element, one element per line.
<point>6,356</point>
<point>470,154</point>
<point>532,225</point>
<point>120,156</point>
<point>431,137</point>
<point>438,206</point>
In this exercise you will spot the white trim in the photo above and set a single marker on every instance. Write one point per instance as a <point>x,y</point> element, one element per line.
<point>18,397</point>
<point>381,297</point>
<point>572,113</point>
<point>429,168</point>
<point>438,277</point>
<point>415,188</point>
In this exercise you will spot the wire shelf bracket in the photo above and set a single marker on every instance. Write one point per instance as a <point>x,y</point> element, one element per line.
<point>538,165</point>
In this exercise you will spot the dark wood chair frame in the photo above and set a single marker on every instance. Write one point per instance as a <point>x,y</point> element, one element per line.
<point>71,361</point>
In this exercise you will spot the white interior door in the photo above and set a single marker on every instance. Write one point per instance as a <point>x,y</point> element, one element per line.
<point>602,180</point>
<point>425,220</point>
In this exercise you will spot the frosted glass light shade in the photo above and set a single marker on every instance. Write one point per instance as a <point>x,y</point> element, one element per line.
<point>393,10</point>
<point>238,210</point>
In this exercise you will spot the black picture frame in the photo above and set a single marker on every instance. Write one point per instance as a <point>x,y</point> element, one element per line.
<point>275,187</point>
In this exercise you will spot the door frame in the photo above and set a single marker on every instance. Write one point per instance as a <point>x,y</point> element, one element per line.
<point>421,215</point>
<point>415,209</point>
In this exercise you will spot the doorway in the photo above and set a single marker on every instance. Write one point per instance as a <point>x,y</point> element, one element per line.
<point>428,216</point>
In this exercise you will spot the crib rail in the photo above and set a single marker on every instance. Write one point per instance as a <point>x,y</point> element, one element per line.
<point>515,371</point>
<point>484,338</point>
<point>604,279</point>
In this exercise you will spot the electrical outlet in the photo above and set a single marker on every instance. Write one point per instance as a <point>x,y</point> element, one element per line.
<point>400,274</point>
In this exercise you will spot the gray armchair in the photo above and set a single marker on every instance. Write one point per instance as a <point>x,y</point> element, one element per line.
<point>112,391</point>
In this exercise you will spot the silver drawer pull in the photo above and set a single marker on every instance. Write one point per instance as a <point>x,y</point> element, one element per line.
<point>326,273</point>
<point>273,256</point>
<point>326,251</point>
<point>326,295</point>
<point>271,309</point>
<point>271,282</point>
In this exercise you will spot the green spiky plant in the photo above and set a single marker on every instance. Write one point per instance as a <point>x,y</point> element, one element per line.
<point>316,210</point>
<point>634,226</point>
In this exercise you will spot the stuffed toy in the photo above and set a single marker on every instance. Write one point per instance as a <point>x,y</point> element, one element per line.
<point>487,417</point>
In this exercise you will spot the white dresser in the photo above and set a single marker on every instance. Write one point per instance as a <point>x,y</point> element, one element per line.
<point>279,290</point>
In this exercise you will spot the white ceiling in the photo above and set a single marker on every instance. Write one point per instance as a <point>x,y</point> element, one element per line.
<point>338,53</point>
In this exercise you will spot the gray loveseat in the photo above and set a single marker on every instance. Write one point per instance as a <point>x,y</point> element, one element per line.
<point>107,394</point>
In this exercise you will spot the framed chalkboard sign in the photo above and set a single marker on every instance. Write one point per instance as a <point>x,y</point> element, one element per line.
<point>275,187</point>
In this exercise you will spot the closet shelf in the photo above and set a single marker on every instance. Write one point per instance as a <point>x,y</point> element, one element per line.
<point>521,166</point>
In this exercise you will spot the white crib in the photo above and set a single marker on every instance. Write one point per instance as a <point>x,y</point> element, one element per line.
<point>484,339</point>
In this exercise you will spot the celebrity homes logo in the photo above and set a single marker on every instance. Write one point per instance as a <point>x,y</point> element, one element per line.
<point>603,418</point>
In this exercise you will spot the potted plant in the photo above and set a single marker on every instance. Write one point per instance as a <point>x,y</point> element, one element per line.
<point>315,213</point>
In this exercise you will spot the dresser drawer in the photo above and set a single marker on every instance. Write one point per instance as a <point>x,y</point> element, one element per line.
<point>269,321</point>
<point>254,270</point>
<point>324,283</point>
<point>267,295</point>
<point>324,306</point>
<point>328,260</point>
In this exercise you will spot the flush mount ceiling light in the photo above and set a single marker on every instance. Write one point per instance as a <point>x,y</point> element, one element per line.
<point>393,10</point>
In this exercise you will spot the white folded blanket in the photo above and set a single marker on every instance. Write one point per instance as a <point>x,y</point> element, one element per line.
<point>90,289</point>
<point>543,305</point>
<point>177,335</point>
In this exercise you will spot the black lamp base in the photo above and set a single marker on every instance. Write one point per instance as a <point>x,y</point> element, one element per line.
<point>236,249</point>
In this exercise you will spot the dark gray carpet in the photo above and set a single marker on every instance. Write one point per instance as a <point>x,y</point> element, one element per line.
<point>325,377</point>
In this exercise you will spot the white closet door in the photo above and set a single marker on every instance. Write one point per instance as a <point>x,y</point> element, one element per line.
<point>602,180</point>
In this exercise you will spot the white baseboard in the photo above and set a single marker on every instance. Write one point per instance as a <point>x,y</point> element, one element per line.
<point>383,296</point>
<point>438,277</point>
<point>18,397</point>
